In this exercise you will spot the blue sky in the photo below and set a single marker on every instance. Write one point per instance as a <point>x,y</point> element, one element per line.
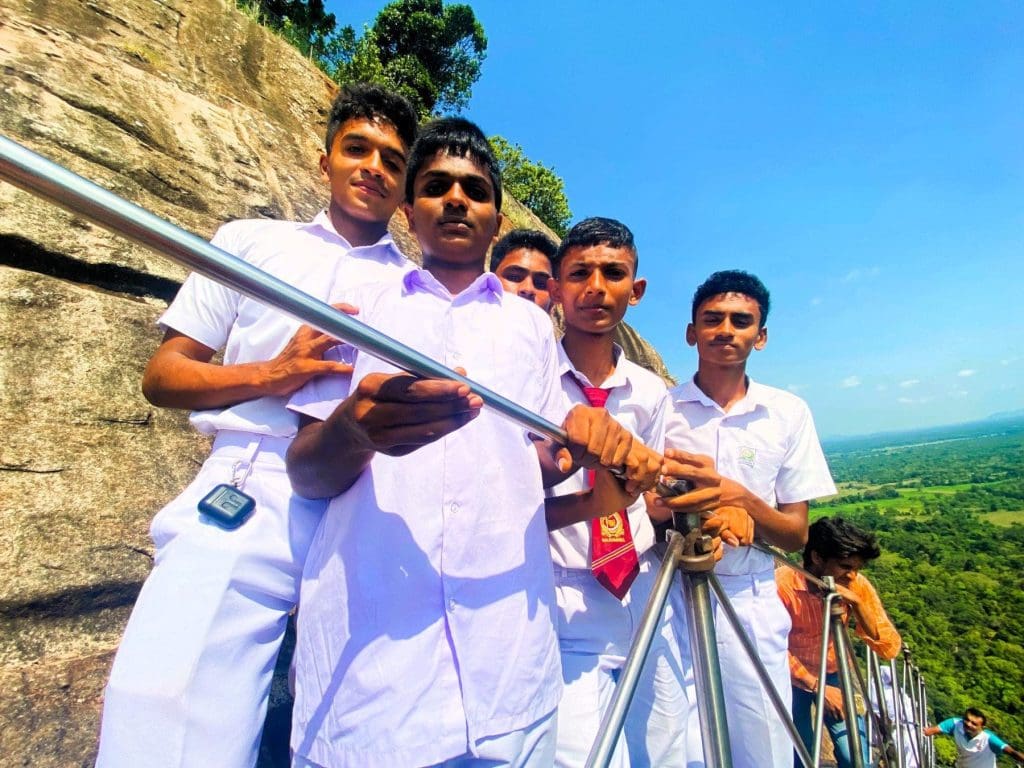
<point>866,160</point>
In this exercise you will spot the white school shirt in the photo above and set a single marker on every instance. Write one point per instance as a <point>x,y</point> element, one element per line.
<point>310,256</point>
<point>766,442</point>
<point>428,598</point>
<point>639,401</point>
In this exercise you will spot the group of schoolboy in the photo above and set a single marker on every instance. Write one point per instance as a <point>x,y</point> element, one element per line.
<point>469,591</point>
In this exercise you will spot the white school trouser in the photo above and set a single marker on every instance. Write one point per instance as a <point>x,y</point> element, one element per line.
<point>530,747</point>
<point>757,736</point>
<point>191,679</point>
<point>595,631</point>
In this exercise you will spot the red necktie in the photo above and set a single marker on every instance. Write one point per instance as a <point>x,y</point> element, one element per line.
<point>613,558</point>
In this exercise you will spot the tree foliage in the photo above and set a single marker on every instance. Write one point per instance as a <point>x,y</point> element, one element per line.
<point>533,184</point>
<point>428,52</point>
<point>950,578</point>
<point>304,23</point>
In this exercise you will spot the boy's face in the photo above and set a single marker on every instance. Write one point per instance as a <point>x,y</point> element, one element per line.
<point>526,272</point>
<point>843,569</point>
<point>595,285</point>
<point>365,170</point>
<point>453,213</point>
<point>973,725</point>
<point>727,329</point>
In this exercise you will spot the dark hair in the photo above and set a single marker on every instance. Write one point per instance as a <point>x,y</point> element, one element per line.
<point>732,281</point>
<point>458,137</point>
<point>361,101</point>
<point>977,713</point>
<point>596,230</point>
<point>834,537</point>
<point>530,239</point>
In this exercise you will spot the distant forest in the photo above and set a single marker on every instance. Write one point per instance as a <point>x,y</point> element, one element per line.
<point>948,508</point>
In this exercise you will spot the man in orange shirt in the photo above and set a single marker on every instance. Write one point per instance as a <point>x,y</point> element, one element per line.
<point>839,549</point>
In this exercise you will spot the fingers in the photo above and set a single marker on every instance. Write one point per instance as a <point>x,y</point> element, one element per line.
<point>847,594</point>
<point>323,367</point>
<point>563,460</point>
<point>657,514</point>
<point>348,309</point>
<point>718,525</point>
<point>399,412</point>
<point>696,501</point>
<point>308,343</point>
<point>699,470</point>
<point>398,441</point>
<point>404,388</point>
<point>596,439</point>
<point>717,548</point>
<point>643,468</point>
<point>733,524</point>
<point>729,538</point>
<point>696,460</point>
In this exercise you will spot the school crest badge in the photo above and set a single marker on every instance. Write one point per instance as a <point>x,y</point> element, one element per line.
<point>613,528</point>
<point>747,455</point>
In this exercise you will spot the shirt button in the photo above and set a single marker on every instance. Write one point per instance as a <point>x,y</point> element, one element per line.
<point>451,604</point>
<point>454,507</point>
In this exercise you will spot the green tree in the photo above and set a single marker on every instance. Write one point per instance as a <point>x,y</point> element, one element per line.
<point>428,52</point>
<point>535,185</point>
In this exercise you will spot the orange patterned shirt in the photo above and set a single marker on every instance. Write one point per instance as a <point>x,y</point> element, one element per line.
<point>807,611</point>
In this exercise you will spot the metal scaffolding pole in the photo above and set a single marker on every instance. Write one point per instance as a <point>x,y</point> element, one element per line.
<point>689,552</point>
<point>707,671</point>
<point>909,712</point>
<point>602,751</point>
<point>922,717</point>
<point>819,703</point>
<point>872,720</point>
<point>898,716</point>
<point>841,643</point>
<point>785,715</point>
<point>929,745</point>
<point>876,695</point>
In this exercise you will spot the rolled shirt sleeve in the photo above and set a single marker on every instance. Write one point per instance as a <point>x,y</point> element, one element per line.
<point>889,642</point>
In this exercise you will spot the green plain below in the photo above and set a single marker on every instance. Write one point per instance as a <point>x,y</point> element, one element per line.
<point>911,501</point>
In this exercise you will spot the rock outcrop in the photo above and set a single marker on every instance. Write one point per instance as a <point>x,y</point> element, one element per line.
<point>195,112</point>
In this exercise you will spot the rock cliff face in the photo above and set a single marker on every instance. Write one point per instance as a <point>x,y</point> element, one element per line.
<point>196,113</point>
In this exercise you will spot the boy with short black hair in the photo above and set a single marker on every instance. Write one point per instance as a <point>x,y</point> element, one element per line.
<point>604,563</point>
<point>522,261</point>
<point>191,680</point>
<point>427,632</point>
<point>769,464</point>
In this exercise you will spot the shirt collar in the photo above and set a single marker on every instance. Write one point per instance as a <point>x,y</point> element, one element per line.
<point>618,378</point>
<point>486,287</point>
<point>322,221</point>
<point>756,397</point>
